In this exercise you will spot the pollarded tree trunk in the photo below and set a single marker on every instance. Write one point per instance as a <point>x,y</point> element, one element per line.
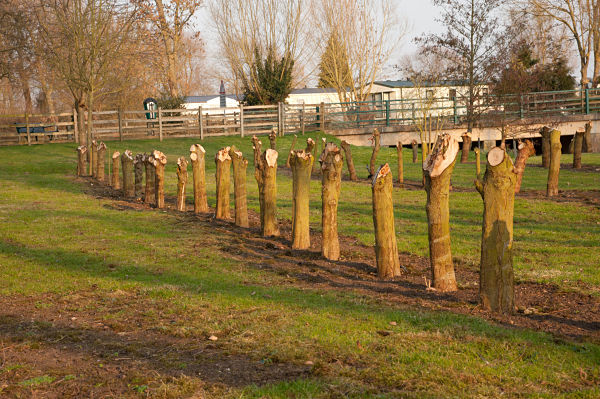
<point>287,162</point>
<point>317,154</point>
<point>346,147</point>
<point>100,158</point>
<point>268,164</point>
<point>81,160</point>
<point>545,132</point>
<point>197,155</point>
<point>182,176</point>
<point>257,151</point>
<point>115,182</point>
<point>437,171</point>
<point>386,247</point>
<point>273,140</point>
<point>587,138</point>
<point>240,164</point>
<point>376,146</point>
<point>415,149</point>
<point>301,163</point>
<point>159,162</point>
<point>577,148</point>
<point>526,150</point>
<point>496,278</point>
<point>138,168</point>
<point>149,195</point>
<point>223,179</point>
<point>554,167</point>
<point>93,159</point>
<point>331,165</point>
<point>466,147</point>
<point>127,166</point>
<point>477,162</point>
<point>400,164</point>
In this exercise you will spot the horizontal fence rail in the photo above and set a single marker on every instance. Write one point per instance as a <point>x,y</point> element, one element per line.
<point>292,118</point>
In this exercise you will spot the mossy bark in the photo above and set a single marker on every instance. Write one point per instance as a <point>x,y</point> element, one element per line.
<point>331,165</point>
<point>466,147</point>
<point>526,150</point>
<point>554,167</point>
<point>301,163</point>
<point>438,171</point>
<point>400,164</point>
<point>545,133</point>
<point>81,160</point>
<point>182,176</point>
<point>415,151</point>
<point>577,149</point>
<point>376,146</point>
<point>127,170</point>
<point>223,180</point>
<point>197,156</point>
<point>149,191</point>
<point>350,163</point>
<point>240,164</point>
<point>386,247</point>
<point>115,180</point>
<point>160,160</point>
<point>496,278</point>
<point>138,169</point>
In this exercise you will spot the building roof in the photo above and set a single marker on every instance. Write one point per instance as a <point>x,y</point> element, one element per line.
<point>314,90</point>
<point>408,83</point>
<point>204,99</point>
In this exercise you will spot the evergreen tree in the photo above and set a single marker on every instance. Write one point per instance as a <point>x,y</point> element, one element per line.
<point>269,79</point>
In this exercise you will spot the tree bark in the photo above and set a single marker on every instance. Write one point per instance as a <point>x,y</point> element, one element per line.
<point>138,167</point>
<point>100,160</point>
<point>159,162</point>
<point>223,179</point>
<point>182,176</point>
<point>116,183</point>
<point>287,162</point>
<point>197,155</point>
<point>376,146</point>
<point>466,147</point>
<point>587,138</point>
<point>127,167</point>
<point>415,149</point>
<point>149,195</point>
<point>496,278</point>
<point>94,159</point>
<point>267,184</point>
<point>400,164</point>
<point>240,164</point>
<point>350,163</point>
<point>545,132</point>
<point>331,165</point>
<point>526,150</point>
<point>477,162</point>
<point>301,163</point>
<point>81,160</point>
<point>386,247</point>
<point>554,167</point>
<point>438,170</point>
<point>273,140</point>
<point>577,148</point>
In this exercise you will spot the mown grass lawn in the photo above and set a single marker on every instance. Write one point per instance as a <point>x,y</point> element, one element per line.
<point>58,244</point>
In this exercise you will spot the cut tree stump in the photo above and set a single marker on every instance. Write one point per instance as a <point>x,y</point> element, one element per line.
<point>100,160</point>
<point>223,180</point>
<point>273,140</point>
<point>386,247</point>
<point>149,191</point>
<point>438,171</point>
<point>526,150</point>
<point>115,181</point>
<point>415,151</point>
<point>350,163</point>
<point>197,156</point>
<point>81,160</point>
<point>400,164</point>
<point>554,167</point>
<point>577,149</point>
<point>375,138</point>
<point>477,162</point>
<point>182,176</point>
<point>587,137</point>
<point>240,165</point>
<point>94,159</point>
<point>138,170</point>
<point>496,278</point>
<point>545,133</point>
<point>331,167</point>
<point>287,162</point>
<point>265,172</point>
<point>301,163</point>
<point>159,161</point>
<point>127,170</point>
<point>466,147</point>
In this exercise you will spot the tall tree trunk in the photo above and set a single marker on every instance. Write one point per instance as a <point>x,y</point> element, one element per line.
<point>346,147</point>
<point>466,147</point>
<point>301,163</point>
<point>240,164</point>
<point>138,167</point>
<point>376,146</point>
<point>526,150</point>
<point>496,278</point>
<point>400,164</point>
<point>438,171</point>
<point>223,179</point>
<point>81,160</point>
<point>94,159</point>
<point>415,150</point>
<point>127,167</point>
<point>554,168</point>
<point>577,148</point>
<point>386,247</point>
<point>197,155</point>
<point>477,162</point>
<point>182,176</point>
<point>287,162</point>
<point>100,159</point>
<point>90,120</point>
<point>150,179</point>
<point>80,124</point>
<point>587,138</point>
<point>331,165</point>
<point>159,162</point>
<point>268,194</point>
<point>115,181</point>
<point>545,132</point>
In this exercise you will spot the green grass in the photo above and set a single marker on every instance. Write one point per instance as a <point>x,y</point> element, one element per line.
<point>54,239</point>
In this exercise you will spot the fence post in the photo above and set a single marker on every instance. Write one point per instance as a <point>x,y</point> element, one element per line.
<point>241,120</point>
<point>75,126</point>
<point>201,123</point>
<point>27,128</point>
<point>322,110</point>
<point>120,116</point>
<point>302,119</point>
<point>587,101</point>
<point>160,127</point>
<point>387,112</point>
